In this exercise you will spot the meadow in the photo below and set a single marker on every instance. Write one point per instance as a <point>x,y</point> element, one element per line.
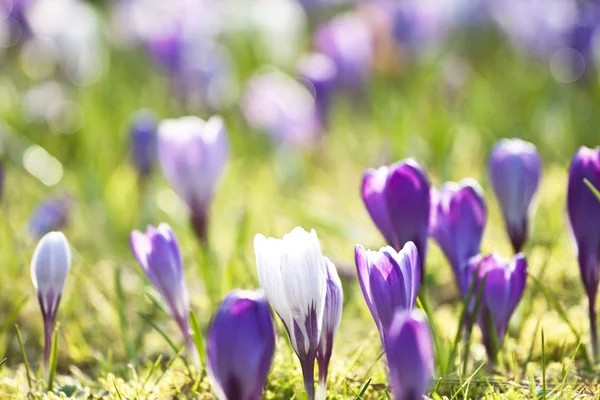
<point>446,108</point>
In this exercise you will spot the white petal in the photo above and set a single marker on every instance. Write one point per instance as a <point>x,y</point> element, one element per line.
<point>268,256</point>
<point>50,263</point>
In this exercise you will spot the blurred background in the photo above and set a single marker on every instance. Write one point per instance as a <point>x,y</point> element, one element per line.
<point>313,92</point>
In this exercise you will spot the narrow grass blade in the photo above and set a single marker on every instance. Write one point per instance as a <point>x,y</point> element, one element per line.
<point>27,371</point>
<point>530,354</point>
<point>117,389</point>
<point>461,325</point>
<point>543,366</point>
<point>563,315</point>
<point>150,372</point>
<point>152,296</point>
<point>129,349</point>
<point>423,304</point>
<point>592,188</point>
<point>10,320</point>
<point>53,360</point>
<point>472,323</point>
<point>364,389</point>
<point>169,365</point>
<point>167,339</point>
<point>198,339</point>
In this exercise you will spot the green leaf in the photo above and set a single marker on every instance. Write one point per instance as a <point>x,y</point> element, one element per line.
<point>53,359</point>
<point>24,356</point>
<point>167,339</point>
<point>592,188</point>
<point>364,389</point>
<point>461,325</point>
<point>198,339</point>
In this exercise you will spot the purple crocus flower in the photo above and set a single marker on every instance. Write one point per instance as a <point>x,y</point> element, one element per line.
<point>389,281</point>
<point>319,72</point>
<point>143,142</point>
<point>51,214</point>
<point>293,273</point>
<point>504,287</point>
<point>193,154</point>
<point>515,170</point>
<point>584,214</point>
<point>398,200</point>
<point>409,352</point>
<point>458,219</point>
<point>157,252</point>
<point>49,269</point>
<point>347,40</point>
<point>240,346</point>
<point>332,316</point>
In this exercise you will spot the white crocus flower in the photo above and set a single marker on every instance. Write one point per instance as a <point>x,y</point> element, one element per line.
<point>292,273</point>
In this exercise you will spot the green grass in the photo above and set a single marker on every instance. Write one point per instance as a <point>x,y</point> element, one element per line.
<point>107,345</point>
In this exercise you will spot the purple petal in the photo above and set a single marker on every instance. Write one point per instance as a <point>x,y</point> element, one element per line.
<point>584,213</point>
<point>239,364</point>
<point>409,352</point>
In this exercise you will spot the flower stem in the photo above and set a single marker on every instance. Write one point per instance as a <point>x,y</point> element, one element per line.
<point>48,336</point>
<point>308,372</point>
<point>593,327</point>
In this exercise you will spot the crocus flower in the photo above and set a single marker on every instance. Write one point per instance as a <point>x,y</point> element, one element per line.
<point>49,268</point>
<point>458,219</point>
<point>398,200</point>
<point>319,72</point>
<point>157,252</point>
<point>282,107</point>
<point>504,286</point>
<point>292,271</point>
<point>409,353</point>
<point>389,281</point>
<point>515,170</point>
<point>193,154</point>
<point>332,316</point>
<point>347,40</point>
<point>240,346</point>
<point>143,142</point>
<point>51,214</point>
<point>584,214</point>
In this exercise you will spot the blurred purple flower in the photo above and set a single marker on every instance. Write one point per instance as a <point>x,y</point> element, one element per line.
<point>49,269</point>
<point>504,287</point>
<point>332,316</point>
<point>282,107</point>
<point>293,273</point>
<point>409,352</point>
<point>398,200</point>
<point>143,141</point>
<point>240,346</point>
<point>458,218</point>
<point>515,170</point>
<point>584,215</point>
<point>193,154</point>
<point>347,40</point>
<point>320,73</point>
<point>389,281</point>
<point>157,252</point>
<point>50,215</point>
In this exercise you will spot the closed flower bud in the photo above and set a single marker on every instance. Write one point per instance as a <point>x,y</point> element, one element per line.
<point>389,281</point>
<point>293,274</point>
<point>458,220</point>
<point>398,200</point>
<point>515,170</point>
<point>240,346</point>
<point>409,353</point>
<point>332,316</point>
<point>51,214</point>
<point>193,154</point>
<point>157,252</point>
<point>584,215</point>
<point>49,269</point>
<point>320,73</point>
<point>504,286</point>
<point>143,142</point>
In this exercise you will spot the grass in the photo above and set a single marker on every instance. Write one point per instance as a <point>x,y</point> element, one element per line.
<point>108,345</point>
